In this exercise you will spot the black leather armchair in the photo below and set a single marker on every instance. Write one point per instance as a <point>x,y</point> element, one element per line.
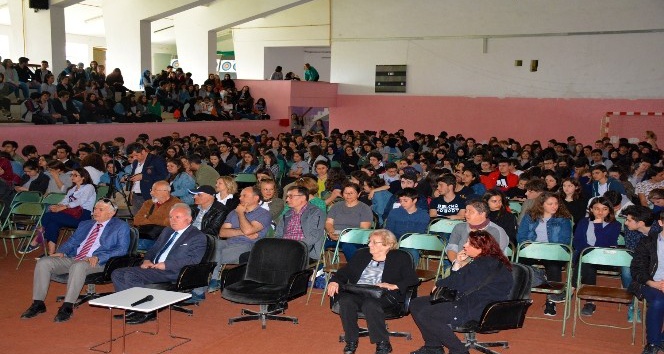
<point>192,276</point>
<point>275,274</point>
<point>131,259</point>
<point>501,315</point>
<point>390,314</point>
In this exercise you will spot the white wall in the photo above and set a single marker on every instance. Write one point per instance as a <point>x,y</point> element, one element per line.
<point>307,25</point>
<point>440,42</point>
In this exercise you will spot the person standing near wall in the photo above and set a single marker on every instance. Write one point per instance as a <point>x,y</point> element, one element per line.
<point>310,73</point>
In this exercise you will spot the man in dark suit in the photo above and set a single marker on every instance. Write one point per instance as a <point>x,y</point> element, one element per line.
<point>93,243</point>
<point>145,171</point>
<point>179,245</point>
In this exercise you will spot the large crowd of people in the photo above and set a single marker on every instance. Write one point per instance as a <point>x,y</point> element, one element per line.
<point>79,95</point>
<point>569,193</point>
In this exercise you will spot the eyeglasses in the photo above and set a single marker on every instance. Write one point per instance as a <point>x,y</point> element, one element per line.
<point>375,242</point>
<point>159,190</point>
<point>294,195</point>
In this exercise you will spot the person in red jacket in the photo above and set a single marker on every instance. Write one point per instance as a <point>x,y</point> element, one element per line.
<point>502,179</point>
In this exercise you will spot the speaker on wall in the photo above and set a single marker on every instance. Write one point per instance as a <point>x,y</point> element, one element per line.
<point>39,4</point>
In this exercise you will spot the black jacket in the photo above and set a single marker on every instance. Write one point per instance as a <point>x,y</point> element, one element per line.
<point>644,263</point>
<point>39,185</point>
<point>213,219</point>
<point>467,280</point>
<point>398,270</point>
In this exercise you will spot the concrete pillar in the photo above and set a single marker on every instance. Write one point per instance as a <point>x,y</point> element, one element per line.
<point>38,35</point>
<point>195,30</point>
<point>128,33</point>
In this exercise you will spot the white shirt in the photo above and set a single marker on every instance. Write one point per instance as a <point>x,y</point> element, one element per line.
<point>136,188</point>
<point>168,250</point>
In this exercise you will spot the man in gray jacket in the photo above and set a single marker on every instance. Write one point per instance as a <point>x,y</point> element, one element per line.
<point>303,221</point>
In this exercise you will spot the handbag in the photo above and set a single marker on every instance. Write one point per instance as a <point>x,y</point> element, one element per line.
<point>365,290</point>
<point>74,212</point>
<point>444,294</point>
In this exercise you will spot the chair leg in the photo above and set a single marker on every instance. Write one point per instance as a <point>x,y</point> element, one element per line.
<point>263,315</point>
<point>183,309</point>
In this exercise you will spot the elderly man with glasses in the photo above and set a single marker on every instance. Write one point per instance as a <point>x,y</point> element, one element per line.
<point>93,243</point>
<point>152,217</point>
<point>302,222</point>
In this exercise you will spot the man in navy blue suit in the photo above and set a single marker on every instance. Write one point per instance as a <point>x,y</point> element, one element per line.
<point>178,245</point>
<point>145,171</point>
<point>93,243</point>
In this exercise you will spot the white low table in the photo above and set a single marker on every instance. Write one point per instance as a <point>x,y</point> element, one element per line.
<point>123,300</point>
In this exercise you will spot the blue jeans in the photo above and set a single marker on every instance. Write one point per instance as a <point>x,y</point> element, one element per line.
<point>655,315</point>
<point>53,222</point>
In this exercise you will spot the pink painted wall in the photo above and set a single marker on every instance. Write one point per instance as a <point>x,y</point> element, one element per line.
<point>43,136</point>
<point>280,95</point>
<point>524,119</point>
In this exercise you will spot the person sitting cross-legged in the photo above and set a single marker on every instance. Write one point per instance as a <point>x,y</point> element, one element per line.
<point>93,243</point>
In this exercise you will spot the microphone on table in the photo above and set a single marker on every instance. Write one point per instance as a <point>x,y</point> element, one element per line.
<point>143,300</point>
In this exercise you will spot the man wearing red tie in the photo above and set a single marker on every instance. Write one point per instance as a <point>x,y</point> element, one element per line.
<point>93,243</point>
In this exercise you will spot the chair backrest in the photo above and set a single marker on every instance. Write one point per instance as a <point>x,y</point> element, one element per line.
<point>618,257</point>
<point>35,209</point>
<point>522,282</point>
<point>424,242</point>
<point>545,251</point>
<point>515,207</point>
<point>274,260</point>
<point>133,241</point>
<point>26,196</point>
<point>53,198</point>
<point>443,225</point>
<point>245,178</point>
<point>357,236</point>
<point>210,247</point>
<point>102,191</point>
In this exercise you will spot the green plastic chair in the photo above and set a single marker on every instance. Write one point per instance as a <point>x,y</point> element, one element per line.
<point>13,230</point>
<point>102,191</point>
<point>53,198</point>
<point>320,263</point>
<point>443,225</point>
<point>245,178</point>
<point>425,242</point>
<point>356,236</point>
<point>604,257</point>
<point>515,207</point>
<point>26,197</point>
<point>550,252</point>
<point>335,164</point>
<point>509,252</point>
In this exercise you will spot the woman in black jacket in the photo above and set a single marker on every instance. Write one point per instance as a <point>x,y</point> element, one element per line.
<point>499,214</point>
<point>648,280</point>
<point>485,279</point>
<point>382,265</point>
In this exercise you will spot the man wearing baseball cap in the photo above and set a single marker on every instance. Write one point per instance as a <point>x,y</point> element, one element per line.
<point>208,214</point>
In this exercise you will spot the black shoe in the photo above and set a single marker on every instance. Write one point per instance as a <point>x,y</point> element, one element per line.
<point>650,349</point>
<point>351,347</point>
<point>550,308</point>
<point>383,347</point>
<point>142,318</point>
<point>128,315</point>
<point>588,309</point>
<point>35,309</point>
<point>429,350</point>
<point>64,314</point>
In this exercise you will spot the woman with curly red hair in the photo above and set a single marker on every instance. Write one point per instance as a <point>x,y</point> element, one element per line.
<point>484,277</point>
